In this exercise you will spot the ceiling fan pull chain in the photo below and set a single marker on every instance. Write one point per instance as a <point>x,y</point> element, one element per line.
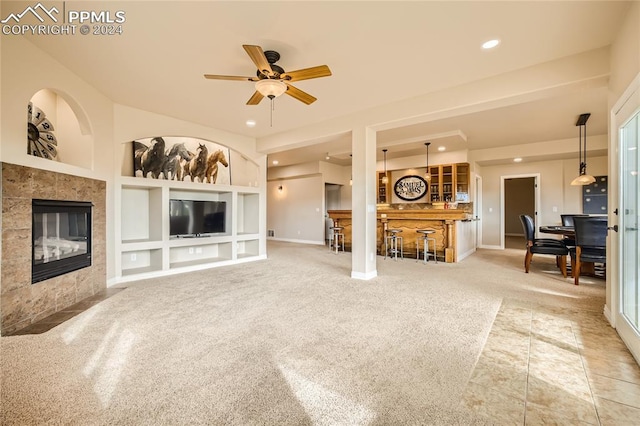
<point>271,117</point>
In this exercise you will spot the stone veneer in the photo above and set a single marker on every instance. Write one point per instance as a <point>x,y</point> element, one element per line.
<point>23,303</point>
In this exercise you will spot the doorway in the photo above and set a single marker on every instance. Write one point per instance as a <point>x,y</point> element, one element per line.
<point>519,197</point>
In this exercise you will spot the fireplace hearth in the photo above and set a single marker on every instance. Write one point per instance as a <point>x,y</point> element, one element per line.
<point>61,238</point>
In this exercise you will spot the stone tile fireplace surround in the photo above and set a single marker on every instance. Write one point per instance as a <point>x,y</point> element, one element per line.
<point>23,303</point>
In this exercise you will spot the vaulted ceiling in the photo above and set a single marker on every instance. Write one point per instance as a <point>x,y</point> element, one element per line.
<point>378,52</point>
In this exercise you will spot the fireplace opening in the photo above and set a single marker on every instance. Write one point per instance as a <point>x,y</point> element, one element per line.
<point>61,238</point>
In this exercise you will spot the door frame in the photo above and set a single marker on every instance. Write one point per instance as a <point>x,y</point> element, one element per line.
<point>627,106</point>
<point>536,201</point>
<point>477,207</point>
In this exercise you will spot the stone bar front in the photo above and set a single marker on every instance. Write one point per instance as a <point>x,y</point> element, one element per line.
<point>409,221</point>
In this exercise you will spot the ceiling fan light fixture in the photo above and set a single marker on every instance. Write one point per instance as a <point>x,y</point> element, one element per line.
<point>271,88</point>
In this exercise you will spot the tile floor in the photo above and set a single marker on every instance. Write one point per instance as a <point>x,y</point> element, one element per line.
<point>554,367</point>
<point>58,318</point>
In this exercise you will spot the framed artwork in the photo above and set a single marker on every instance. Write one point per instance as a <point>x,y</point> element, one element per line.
<point>410,188</point>
<point>181,158</point>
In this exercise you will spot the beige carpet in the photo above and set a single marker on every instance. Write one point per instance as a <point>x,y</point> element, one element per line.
<point>291,340</point>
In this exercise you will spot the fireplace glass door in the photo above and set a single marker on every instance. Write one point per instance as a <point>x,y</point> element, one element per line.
<point>61,237</point>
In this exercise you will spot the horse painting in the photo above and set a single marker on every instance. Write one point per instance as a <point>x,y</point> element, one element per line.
<point>177,156</point>
<point>212,165</point>
<point>150,159</point>
<point>197,166</point>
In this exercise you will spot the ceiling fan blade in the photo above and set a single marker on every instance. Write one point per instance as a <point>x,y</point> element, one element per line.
<point>255,99</point>
<point>300,95</point>
<point>257,56</point>
<point>307,73</point>
<point>229,77</point>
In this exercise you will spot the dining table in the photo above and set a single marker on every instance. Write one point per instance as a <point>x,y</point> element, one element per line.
<point>568,231</point>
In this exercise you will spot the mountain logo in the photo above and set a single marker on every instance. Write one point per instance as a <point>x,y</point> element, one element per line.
<point>38,10</point>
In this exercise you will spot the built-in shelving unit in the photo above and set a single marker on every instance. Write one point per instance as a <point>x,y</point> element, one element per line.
<point>145,248</point>
<point>449,182</point>
<point>384,188</point>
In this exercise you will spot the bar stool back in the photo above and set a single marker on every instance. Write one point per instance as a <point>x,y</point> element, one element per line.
<point>392,241</point>
<point>424,237</point>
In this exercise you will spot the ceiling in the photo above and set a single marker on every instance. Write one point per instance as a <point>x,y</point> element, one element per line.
<point>378,52</point>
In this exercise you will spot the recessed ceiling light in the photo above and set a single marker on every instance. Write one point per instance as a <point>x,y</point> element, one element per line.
<point>441,148</point>
<point>251,123</point>
<point>517,160</point>
<point>274,162</point>
<point>490,44</point>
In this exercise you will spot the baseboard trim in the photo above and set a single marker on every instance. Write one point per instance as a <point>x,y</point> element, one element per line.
<point>466,254</point>
<point>607,315</point>
<point>491,247</point>
<point>364,276</point>
<point>291,240</point>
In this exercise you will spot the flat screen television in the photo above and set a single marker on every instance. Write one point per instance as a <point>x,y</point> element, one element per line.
<point>192,218</point>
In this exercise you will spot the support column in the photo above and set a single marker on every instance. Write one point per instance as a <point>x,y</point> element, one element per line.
<point>363,204</point>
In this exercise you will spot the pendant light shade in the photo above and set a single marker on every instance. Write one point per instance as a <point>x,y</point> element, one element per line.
<point>427,174</point>
<point>385,179</point>
<point>583,178</point>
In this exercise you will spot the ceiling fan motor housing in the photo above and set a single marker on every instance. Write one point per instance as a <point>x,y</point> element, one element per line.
<point>277,72</point>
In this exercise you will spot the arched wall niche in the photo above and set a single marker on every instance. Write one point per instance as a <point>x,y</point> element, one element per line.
<point>71,127</point>
<point>169,157</point>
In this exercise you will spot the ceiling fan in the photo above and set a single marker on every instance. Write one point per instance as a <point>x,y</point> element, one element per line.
<point>272,80</point>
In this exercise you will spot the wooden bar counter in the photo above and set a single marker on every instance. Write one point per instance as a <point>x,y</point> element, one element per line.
<point>409,221</point>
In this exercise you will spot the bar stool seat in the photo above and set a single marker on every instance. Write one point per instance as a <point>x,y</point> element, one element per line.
<point>337,240</point>
<point>424,237</point>
<point>394,244</point>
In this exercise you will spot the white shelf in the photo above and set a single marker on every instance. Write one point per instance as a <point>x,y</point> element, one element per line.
<point>146,249</point>
<point>248,248</point>
<point>198,241</point>
<point>141,245</point>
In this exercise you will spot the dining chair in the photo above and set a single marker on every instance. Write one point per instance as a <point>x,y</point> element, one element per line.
<point>591,243</point>
<point>567,220</point>
<point>542,246</point>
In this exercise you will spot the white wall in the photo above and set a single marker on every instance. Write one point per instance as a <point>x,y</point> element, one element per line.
<point>297,212</point>
<point>555,191</point>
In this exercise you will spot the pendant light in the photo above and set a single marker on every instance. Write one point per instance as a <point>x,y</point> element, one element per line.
<point>385,179</point>
<point>427,174</point>
<point>583,178</point>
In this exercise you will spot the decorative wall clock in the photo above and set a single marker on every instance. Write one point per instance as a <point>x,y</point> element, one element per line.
<point>410,188</point>
<point>41,140</point>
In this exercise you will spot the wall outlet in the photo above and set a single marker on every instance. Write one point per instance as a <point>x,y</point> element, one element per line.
<point>198,250</point>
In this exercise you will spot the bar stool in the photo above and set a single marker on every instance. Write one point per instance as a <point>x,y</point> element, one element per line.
<point>424,237</point>
<point>391,244</point>
<point>337,239</point>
